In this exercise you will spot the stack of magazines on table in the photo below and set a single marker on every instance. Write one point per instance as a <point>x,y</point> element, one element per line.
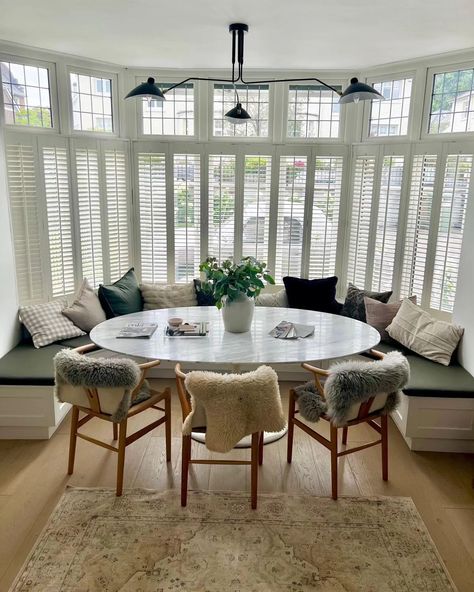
<point>188,330</point>
<point>288,330</point>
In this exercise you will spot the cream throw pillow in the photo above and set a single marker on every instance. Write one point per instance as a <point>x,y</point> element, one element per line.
<point>278,299</point>
<point>86,311</point>
<point>419,331</point>
<point>168,296</point>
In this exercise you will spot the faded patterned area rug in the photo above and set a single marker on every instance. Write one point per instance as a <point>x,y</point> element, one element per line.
<point>145,542</point>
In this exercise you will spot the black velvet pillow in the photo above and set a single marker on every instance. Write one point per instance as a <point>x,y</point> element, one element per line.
<point>122,297</point>
<point>354,305</point>
<point>203,299</point>
<point>317,294</point>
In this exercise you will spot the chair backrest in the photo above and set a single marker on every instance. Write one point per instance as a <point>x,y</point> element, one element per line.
<point>356,389</point>
<point>184,396</point>
<point>100,385</point>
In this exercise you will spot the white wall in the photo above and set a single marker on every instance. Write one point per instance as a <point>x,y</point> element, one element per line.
<point>9,326</point>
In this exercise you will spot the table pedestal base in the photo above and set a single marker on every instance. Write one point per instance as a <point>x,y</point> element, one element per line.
<point>246,442</point>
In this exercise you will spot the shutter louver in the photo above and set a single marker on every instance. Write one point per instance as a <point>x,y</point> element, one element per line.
<point>363,189</point>
<point>187,214</point>
<point>25,215</point>
<point>58,210</point>
<point>221,206</point>
<point>387,222</point>
<point>417,227</point>
<point>257,180</point>
<point>90,224</point>
<point>152,206</point>
<point>457,178</point>
<point>291,202</point>
<point>117,212</point>
<point>325,218</point>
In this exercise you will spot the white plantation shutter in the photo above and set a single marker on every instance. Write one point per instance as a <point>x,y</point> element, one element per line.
<point>117,200</point>
<point>26,222</point>
<point>187,215</point>
<point>256,221</point>
<point>221,205</point>
<point>290,225</point>
<point>457,178</point>
<point>387,222</point>
<point>58,211</point>
<point>325,216</point>
<point>362,196</point>
<point>152,209</point>
<point>417,225</point>
<point>90,217</point>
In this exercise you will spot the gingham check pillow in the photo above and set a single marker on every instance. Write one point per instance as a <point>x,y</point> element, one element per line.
<point>47,324</point>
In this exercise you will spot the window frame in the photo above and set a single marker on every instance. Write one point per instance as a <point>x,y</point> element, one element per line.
<point>371,80</point>
<point>430,75</point>
<point>170,138</point>
<point>340,139</point>
<point>113,77</point>
<point>53,96</point>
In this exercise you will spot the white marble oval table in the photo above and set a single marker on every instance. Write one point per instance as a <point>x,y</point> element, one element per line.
<point>334,337</point>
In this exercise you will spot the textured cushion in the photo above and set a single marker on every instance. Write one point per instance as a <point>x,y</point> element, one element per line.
<point>279,299</point>
<point>47,324</point>
<point>354,306</point>
<point>420,332</point>
<point>203,299</point>
<point>86,311</point>
<point>380,315</point>
<point>122,297</point>
<point>168,296</point>
<point>318,294</point>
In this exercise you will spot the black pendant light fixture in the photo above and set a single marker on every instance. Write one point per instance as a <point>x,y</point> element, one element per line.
<point>355,92</point>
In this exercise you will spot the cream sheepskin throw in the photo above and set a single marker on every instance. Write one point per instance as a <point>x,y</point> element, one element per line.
<point>235,405</point>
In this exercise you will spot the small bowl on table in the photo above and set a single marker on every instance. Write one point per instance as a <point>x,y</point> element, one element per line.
<point>174,322</point>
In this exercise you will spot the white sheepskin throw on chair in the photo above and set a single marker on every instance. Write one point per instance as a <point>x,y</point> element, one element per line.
<point>235,405</point>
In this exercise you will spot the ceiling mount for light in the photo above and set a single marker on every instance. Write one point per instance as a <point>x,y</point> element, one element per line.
<point>355,92</point>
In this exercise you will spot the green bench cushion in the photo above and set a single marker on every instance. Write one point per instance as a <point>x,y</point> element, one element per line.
<point>430,379</point>
<point>26,365</point>
<point>75,341</point>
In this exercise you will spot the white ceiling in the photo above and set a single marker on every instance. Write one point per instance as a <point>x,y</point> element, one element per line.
<point>284,34</point>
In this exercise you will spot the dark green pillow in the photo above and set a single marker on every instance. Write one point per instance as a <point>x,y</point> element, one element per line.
<point>354,305</point>
<point>122,297</point>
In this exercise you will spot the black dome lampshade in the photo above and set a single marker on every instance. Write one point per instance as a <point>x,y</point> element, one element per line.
<point>237,115</point>
<point>358,91</point>
<point>147,89</point>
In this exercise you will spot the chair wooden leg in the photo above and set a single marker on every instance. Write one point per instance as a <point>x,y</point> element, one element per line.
<point>121,456</point>
<point>185,457</point>
<point>384,426</point>
<point>333,430</point>
<point>260,449</point>
<point>344,435</point>
<point>73,439</point>
<point>254,469</point>
<point>291,425</point>
<point>115,431</point>
<point>168,427</point>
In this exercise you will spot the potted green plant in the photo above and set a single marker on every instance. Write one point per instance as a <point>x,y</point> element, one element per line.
<point>234,287</point>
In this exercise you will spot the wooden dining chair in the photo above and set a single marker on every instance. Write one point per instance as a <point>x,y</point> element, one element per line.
<point>256,454</point>
<point>370,411</point>
<point>98,402</point>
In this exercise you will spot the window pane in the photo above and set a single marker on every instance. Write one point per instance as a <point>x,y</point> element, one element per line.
<point>91,99</point>
<point>172,117</point>
<point>257,180</point>
<point>26,95</point>
<point>390,117</point>
<point>312,112</point>
<point>451,102</point>
<point>254,99</point>
<point>221,206</point>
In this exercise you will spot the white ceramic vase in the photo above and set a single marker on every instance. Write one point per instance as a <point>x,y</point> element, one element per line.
<point>238,314</point>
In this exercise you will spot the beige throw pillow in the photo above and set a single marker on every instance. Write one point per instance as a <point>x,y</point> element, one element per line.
<point>380,315</point>
<point>86,311</point>
<point>278,299</point>
<point>419,331</point>
<point>168,296</point>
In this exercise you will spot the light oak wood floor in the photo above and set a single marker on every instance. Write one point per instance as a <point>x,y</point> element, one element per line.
<point>33,477</point>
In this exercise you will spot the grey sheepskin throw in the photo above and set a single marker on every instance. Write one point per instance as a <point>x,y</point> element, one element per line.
<point>72,368</point>
<point>235,405</point>
<point>352,382</point>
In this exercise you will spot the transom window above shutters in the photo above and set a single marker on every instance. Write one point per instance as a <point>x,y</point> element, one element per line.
<point>91,99</point>
<point>172,117</point>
